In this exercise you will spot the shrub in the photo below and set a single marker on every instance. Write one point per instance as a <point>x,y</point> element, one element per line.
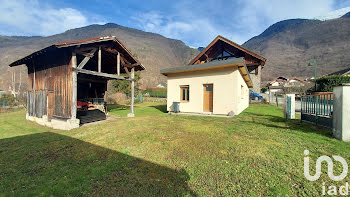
<point>7,100</point>
<point>156,92</point>
<point>124,86</point>
<point>263,90</point>
<point>326,83</point>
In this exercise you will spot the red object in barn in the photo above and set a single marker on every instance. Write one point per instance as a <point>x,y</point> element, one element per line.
<point>82,106</point>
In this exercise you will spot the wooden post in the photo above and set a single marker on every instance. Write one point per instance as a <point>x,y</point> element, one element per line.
<point>14,82</point>
<point>131,114</point>
<point>99,59</point>
<point>118,64</point>
<point>34,92</point>
<point>20,81</point>
<point>74,88</point>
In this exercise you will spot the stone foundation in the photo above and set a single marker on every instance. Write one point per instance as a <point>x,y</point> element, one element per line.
<point>55,123</point>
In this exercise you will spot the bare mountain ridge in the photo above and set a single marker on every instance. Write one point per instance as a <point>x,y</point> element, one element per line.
<point>289,45</point>
<point>154,51</point>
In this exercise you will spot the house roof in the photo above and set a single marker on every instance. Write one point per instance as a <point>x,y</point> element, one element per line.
<point>236,62</point>
<point>296,79</point>
<point>341,72</point>
<point>78,43</point>
<point>235,45</point>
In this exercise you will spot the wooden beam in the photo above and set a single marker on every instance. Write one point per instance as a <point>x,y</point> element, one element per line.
<point>34,90</point>
<point>86,59</point>
<point>91,80</point>
<point>123,60</point>
<point>132,92</point>
<point>127,71</point>
<point>99,59</point>
<point>75,87</point>
<point>83,50</point>
<point>110,50</point>
<point>100,74</point>
<point>86,54</point>
<point>118,64</point>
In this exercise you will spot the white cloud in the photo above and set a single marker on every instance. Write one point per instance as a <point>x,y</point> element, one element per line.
<point>32,18</point>
<point>198,30</point>
<point>260,14</point>
<point>198,23</point>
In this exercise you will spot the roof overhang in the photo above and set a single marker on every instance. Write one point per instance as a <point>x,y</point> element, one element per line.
<point>237,62</point>
<point>81,44</point>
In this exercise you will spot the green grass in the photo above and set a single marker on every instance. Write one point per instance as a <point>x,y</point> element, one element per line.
<point>256,153</point>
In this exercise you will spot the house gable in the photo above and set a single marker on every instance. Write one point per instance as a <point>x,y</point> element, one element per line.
<point>222,49</point>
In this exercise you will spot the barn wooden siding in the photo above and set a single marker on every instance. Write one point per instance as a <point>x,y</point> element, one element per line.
<point>37,103</point>
<point>50,89</point>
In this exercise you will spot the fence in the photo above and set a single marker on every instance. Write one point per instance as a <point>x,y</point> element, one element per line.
<point>317,109</point>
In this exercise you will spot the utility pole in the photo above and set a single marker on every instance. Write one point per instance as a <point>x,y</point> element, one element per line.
<point>315,64</point>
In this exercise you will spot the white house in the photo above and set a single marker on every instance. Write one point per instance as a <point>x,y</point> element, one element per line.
<point>216,83</point>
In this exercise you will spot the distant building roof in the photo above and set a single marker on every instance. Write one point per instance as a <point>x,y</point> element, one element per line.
<point>282,78</point>
<point>162,85</point>
<point>341,72</point>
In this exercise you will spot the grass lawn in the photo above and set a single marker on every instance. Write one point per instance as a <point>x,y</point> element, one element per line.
<point>256,153</point>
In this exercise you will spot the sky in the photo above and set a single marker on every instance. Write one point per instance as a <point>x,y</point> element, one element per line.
<point>194,22</point>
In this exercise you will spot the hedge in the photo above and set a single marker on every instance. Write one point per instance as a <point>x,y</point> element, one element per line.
<point>326,83</point>
<point>156,92</point>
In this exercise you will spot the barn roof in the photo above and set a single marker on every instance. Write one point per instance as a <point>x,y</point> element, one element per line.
<point>228,42</point>
<point>239,62</point>
<point>78,43</point>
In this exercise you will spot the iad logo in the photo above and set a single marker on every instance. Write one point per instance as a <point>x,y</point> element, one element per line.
<point>332,189</point>
<point>330,167</point>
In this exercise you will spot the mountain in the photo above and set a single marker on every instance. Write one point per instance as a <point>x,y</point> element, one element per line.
<point>153,50</point>
<point>289,45</point>
<point>347,15</point>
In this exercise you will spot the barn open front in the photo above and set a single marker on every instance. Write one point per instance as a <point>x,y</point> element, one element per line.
<point>67,81</point>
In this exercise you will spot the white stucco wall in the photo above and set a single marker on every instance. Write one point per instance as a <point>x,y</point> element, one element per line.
<point>341,112</point>
<point>226,90</point>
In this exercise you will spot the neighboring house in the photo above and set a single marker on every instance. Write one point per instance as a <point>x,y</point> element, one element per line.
<point>161,85</point>
<point>222,49</point>
<point>276,89</point>
<point>294,82</point>
<point>216,87</point>
<point>345,72</point>
<point>276,86</point>
<point>71,77</point>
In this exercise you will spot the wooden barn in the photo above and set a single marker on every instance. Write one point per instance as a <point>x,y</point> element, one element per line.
<point>67,81</point>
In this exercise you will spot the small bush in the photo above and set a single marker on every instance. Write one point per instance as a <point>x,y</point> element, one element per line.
<point>263,90</point>
<point>7,100</point>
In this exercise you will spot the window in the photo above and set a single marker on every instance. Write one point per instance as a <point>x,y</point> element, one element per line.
<point>185,93</point>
